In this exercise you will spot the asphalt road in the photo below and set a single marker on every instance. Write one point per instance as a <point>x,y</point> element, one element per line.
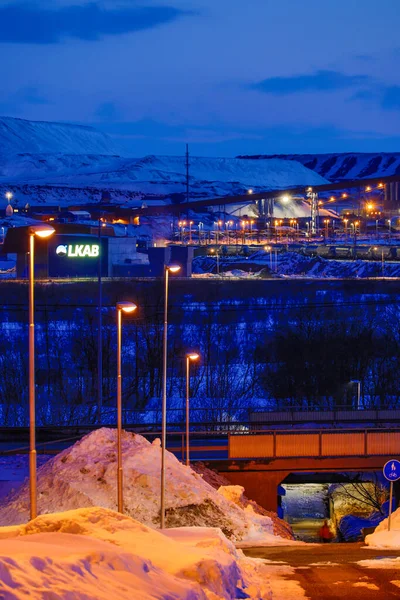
<point>326,571</point>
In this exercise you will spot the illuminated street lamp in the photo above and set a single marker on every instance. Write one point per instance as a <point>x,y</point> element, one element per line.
<point>269,249</point>
<point>190,231</point>
<point>9,195</point>
<point>122,307</point>
<point>190,356</point>
<point>167,270</point>
<point>42,231</point>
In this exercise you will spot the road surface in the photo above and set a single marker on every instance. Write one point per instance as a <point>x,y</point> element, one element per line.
<point>327,571</point>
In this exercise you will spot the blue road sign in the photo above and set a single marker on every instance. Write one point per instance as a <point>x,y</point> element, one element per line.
<point>392,470</point>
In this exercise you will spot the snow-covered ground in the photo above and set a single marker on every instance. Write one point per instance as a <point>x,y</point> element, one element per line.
<point>97,553</point>
<point>85,475</point>
<point>294,264</point>
<point>73,179</point>
<point>382,537</point>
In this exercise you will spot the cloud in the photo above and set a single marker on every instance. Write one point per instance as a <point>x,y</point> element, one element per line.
<point>151,137</point>
<point>32,24</point>
<point>16,102</point>
<point>320,81</point>
<point>391,98</point>
<point>107,111</point>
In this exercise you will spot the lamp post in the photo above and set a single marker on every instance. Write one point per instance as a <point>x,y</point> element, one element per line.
<point>122,307</point>
<point>190,356</point>
<point>190,231</point>
<point>42,231</point>
<point>358,382</point>
<point>167,270</point>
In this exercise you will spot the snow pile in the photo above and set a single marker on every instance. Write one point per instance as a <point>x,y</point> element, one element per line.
<point>22,136</point>
<point>382,538</point>
<point>97,553</point>
<point>295,264</point>
<point>85,475</point>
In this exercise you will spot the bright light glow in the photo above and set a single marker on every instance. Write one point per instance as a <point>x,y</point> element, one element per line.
<point>174,268</point>
<point>309,189</point>
<point>42,231</point>
<point>285,198</point>
<point>250,191</point>
<point>126,307</point>
<point>332,198</point>
<point>370,206</point>
<point>267,248</point>
<point>193,356</point>
<point>9,195</point>
<point>380,185</point>
<point>368,188</point>
<point>344,195</point>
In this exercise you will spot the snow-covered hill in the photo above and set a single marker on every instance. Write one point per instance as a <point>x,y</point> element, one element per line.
<point>349,165</point>
<point>22,136</point>
<point>51,163</point>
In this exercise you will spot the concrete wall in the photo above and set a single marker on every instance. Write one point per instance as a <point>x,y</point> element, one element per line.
<point>120,250</point>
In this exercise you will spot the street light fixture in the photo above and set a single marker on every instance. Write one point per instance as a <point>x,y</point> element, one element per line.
<point>167,270</point>
<point>122,307</point>
<point>42,231</point>
<point>190,356</point>
<point>358,382</point>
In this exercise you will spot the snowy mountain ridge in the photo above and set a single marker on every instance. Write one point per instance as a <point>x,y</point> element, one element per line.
<point>31,137</point>
<point>339,166</point>
<point>61,164</point>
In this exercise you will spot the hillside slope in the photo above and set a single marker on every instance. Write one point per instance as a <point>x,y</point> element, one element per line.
<point>53,163</point>
<point>22,136</point>
<point>349,165</point>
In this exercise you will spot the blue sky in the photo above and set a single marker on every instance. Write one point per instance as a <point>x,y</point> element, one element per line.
<point>227,76</point>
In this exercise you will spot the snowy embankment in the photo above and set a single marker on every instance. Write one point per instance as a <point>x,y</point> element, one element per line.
<point>294,264</point>
<point>95,553</point>
<point>382,538</point>
<point>85,475</point>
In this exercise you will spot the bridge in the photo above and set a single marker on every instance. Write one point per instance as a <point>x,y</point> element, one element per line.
<point>259,459</point>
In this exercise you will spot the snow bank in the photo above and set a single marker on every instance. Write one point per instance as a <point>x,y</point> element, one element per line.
<point>96,553</point>
<point>85,475</point>
<point>382,538</point>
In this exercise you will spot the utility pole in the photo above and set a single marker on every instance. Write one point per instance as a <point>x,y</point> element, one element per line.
<point>187,180</point>
<point>99,332</point>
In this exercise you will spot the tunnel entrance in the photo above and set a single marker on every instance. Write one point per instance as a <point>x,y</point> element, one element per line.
<point>305,506</point>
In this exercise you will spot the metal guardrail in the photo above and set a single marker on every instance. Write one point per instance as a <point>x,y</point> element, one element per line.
<point>339,414</point>
<point>314,444</point>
